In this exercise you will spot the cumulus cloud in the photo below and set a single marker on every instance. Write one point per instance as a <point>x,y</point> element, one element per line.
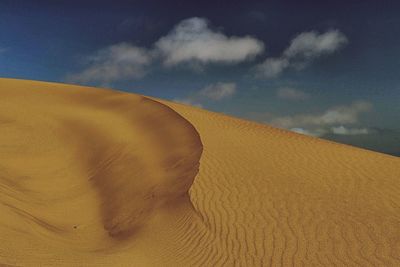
<point>288,93</point>
<point>304,48</point>
<point>193,40</point>
<point>214,92</point>
<point>120,61</point>
<point>332,120</point>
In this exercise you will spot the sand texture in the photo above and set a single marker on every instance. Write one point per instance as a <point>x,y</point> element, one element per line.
<point>95,177</point>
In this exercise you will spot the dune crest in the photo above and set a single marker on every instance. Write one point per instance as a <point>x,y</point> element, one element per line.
<point>135,176</point>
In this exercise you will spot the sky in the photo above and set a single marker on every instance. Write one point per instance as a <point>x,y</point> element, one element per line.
<point>329,69</point>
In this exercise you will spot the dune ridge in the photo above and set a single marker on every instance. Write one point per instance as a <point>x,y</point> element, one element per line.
<point>261,196</point>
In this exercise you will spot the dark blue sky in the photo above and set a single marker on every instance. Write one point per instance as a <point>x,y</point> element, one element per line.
<point>343,53</point>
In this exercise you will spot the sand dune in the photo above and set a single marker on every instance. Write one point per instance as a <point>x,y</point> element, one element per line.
<point>92,177</point>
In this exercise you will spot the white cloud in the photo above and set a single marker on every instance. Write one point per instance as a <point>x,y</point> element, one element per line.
<point>272,67</point>
<point>341,130</point>
<point>214,92</point>
<point>193,40</point>
<point>291,94</point>
<point>304,48</point>
<point>190,41</point>
<point>119,61</point>
<point>338,130</point>
<point>218,91</point>
<point>309,45</point>
<point>312,132</point>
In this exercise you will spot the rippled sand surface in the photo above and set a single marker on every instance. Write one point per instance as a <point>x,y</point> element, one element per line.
<point>94,177</point>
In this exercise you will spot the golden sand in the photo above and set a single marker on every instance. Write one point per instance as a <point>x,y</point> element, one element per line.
<point>93,177</point>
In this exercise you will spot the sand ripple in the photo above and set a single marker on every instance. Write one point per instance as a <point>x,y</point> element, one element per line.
<point>93,177</point>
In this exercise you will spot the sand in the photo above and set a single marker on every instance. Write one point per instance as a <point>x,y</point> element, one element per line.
<point>95,177</point>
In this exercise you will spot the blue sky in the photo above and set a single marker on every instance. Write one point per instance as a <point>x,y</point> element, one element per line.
<point>324,68</point>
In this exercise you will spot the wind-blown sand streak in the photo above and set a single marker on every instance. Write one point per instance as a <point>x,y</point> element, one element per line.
<point>103,178</point>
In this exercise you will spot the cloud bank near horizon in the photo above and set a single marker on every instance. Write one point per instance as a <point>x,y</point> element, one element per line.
<point>339,120</point>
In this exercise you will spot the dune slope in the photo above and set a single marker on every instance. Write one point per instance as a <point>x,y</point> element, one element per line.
<point>84,171</point>
<point>103,178</point>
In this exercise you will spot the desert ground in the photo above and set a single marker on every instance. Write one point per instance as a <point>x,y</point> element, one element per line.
<point>98,177</point>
